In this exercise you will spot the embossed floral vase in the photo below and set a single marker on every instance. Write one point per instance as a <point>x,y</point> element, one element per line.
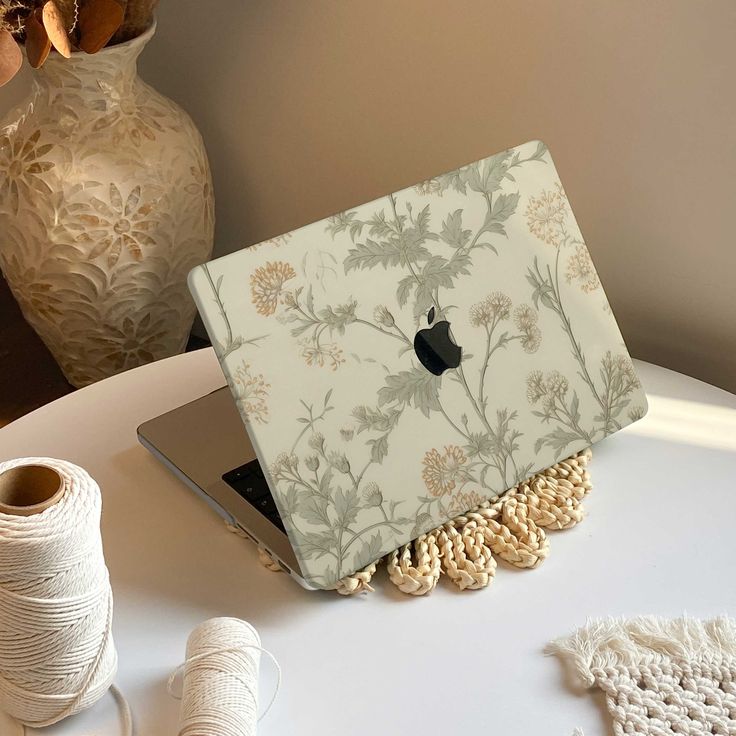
<point>106,203</point>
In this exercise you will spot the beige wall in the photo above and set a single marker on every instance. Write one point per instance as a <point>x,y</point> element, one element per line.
<point>311,106</point>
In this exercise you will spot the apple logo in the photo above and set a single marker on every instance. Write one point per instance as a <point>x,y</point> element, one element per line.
<point>435,347</point>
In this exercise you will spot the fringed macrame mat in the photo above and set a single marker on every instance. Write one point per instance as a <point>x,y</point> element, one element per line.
<point>512,528</point>
<point>660,677</point>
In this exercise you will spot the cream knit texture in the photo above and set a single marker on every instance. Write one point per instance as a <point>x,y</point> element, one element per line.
<point>661,677</point>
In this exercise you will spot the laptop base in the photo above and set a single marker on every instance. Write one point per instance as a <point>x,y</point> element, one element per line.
<point>205,445</point>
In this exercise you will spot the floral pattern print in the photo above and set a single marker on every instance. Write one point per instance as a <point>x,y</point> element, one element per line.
<point>525,319</point>
<point>274,242</point>
<point>429,186</point>
<point>580,269</point>
<point>383,317</point>
<point>443,471</point>
<point>105,206</point>
<point>266,284</point>
<point>251,394</point>
<point>464,501</point>
<point>546,215</point>
<point>613,390</point>
<point>321,355</point>
<point>550,393</point>
<point>370,448</point>
<point>494,307</point>
<point>312,326</point>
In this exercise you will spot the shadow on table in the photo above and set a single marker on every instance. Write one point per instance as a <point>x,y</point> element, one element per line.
<point>572,684</point>
<point>161,538</point>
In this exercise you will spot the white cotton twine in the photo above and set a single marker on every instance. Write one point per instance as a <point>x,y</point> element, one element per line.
<point>220,688</point>
<point>57,655</point>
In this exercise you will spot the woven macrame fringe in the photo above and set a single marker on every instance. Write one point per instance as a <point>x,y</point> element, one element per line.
<point>659,676</point>
<point>646,641</point>
<point>511,528</point>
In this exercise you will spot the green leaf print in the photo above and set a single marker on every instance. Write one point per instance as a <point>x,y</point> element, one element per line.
<point>416,387</point>
<point>452,231</point>
<point>347,506</point>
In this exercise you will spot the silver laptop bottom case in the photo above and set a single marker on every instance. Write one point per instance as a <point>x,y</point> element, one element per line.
<point>199,443</point>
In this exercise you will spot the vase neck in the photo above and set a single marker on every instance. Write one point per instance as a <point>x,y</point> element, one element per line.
<point>112,70</point>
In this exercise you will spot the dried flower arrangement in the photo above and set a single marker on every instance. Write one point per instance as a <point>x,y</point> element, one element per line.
<point>65,25</point>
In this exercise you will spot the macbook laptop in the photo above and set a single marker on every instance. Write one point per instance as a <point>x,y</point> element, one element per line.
<point>394,365</point>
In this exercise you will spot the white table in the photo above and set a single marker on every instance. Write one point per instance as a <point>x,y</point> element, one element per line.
<point>659,538</point>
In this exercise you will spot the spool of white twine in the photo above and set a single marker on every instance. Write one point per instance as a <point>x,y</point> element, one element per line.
<point>57,655</point>
<point>220,688</point>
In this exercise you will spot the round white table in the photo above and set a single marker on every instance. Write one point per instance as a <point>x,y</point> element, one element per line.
<point>658,539</point>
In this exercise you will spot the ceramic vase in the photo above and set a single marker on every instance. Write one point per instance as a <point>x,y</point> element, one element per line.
<point>106,203</point>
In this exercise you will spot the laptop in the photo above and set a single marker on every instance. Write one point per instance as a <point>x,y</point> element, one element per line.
<point>392,366</point>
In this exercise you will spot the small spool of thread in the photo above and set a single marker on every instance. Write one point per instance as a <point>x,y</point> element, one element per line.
<point>57,655</point>
<point>220,688</point>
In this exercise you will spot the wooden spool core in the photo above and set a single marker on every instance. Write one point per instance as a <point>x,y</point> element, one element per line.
<point>29,489</point>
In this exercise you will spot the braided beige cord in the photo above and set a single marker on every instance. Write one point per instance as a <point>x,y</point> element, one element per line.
<point>263,557</point>
<point>267,561</point>
<point>551,506</point>
<point>511,527</point>
<point>357,582</point>
<point>419,578</point>
<point>466,558</point>
<point>517,540</point>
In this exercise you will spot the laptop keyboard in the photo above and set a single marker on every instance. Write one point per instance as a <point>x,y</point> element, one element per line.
<point>248,481</point>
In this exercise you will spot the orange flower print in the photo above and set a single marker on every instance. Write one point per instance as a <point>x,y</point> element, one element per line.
<point>549,391</point>
<point>443,470</point>
<point>525,318</point>
<point>546,216</point>
<point>252,392</point>
<point>494,307</point>
<point>580,269</point>
<point>321,355</point>
<point>266,283</point>
<point>464,501</point>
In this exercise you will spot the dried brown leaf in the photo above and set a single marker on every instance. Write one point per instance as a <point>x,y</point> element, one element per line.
<point>11,57</point>
<point>98,21</point>
<point>53,22</point>
<point>38,43</point>
<point>138,18</point>
<point>68,10</point>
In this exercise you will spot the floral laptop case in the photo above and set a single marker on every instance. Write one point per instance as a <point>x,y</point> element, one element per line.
<point>400,362</point>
